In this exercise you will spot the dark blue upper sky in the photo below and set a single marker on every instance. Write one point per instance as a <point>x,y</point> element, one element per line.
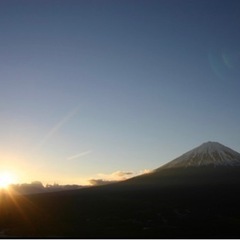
<point>115,85</point>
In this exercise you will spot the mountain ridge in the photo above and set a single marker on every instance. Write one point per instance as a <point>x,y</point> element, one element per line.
<point>182,202</point>
<point>207,154</point>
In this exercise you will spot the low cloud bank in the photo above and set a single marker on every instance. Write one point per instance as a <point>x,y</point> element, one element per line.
<point>103,179</point>
<point>38,187</point>
<point>116,176</point>
<point>98,182</point>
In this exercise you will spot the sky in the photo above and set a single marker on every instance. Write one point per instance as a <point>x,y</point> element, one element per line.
<point>107,89</point>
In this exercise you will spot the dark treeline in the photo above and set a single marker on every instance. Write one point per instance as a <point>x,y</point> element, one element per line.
<point>38,187</point>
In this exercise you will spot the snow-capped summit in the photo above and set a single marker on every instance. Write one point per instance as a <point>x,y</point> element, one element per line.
<point>207,154</point>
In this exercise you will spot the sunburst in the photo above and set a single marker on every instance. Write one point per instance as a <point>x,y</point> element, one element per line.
<point>6,178</point>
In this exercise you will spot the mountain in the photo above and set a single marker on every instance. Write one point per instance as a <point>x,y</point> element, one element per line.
<point>210,163</point>
<point>208,154</point>
<point>194,196</point>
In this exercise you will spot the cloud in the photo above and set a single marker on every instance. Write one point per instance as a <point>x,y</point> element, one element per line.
<point>116,176</point>
<point>98,182</point>
<point>79,155</point>
<point>122,174</point>
<point>37,187</point>
<point>145,171</point>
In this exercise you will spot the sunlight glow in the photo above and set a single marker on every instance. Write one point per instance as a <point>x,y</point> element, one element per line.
<point>6,178</point>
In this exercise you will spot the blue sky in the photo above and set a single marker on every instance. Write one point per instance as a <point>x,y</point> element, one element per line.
<point>93,88</point>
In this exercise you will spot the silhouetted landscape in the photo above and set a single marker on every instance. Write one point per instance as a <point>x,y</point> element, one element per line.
<point>38,187</point>
<point>185,202</point>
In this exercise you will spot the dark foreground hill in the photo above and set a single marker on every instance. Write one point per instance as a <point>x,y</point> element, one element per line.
<point>192,202</point>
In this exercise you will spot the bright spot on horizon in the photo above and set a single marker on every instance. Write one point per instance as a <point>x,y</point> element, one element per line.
<point>6,178</point>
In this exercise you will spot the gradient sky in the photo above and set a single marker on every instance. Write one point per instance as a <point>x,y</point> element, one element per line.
<point>100,88</point>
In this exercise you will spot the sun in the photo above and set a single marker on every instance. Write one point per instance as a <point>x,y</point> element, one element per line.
<point>6,178</point>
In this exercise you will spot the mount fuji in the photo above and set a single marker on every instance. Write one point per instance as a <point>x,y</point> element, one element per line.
<point>210,163</point>
<point>208,154</point>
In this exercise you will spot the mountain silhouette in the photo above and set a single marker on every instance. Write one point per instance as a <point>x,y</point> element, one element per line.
<point>210,163</point>
<point>196,195</point>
